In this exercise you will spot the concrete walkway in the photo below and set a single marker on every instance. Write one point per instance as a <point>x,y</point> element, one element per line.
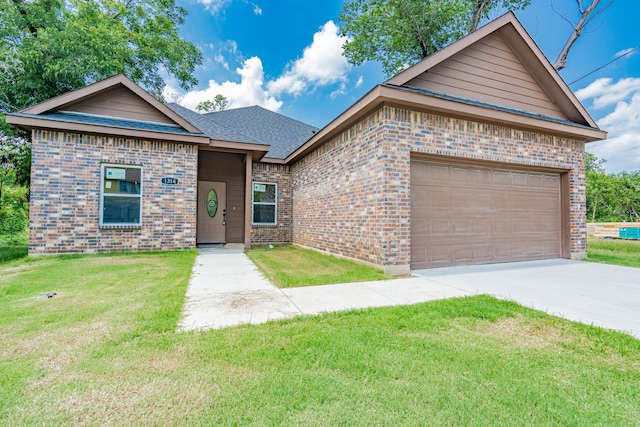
<point>226,289</point>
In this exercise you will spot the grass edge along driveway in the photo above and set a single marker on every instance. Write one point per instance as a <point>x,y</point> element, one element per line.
<point>105,351</point>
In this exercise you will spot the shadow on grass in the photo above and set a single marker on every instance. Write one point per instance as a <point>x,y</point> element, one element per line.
<point>11,252</point>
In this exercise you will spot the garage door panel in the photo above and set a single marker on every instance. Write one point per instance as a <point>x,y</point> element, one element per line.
<point>552,182</point>
<point>519,179</point>
<point>439,227</point>
<point>438,174</point>
<point>475,214</point>
<point>482,177</point>
<point>501,179</point>
<point>439,199</point>
<point>536,181</point>
<point>463,200</point>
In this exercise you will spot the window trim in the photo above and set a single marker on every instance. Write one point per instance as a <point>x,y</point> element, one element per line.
<point>103,169</point>
<point>274,204</point>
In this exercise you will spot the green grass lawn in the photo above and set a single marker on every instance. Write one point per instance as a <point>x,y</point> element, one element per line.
<point>289,266</point>
<point>613,251</point>
<point>104,351</point>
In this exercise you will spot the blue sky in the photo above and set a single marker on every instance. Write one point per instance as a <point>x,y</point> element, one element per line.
<point>285,55</point>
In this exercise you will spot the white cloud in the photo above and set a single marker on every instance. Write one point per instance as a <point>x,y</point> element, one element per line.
<point>605,93</point>
<point>360,81</point>
<point>625,52</point>
<point>622,149</point>
<point>214,6</point>
<point>250,91</point>
<point>220,59</point>
<point>321,64</point>
<point>256,9</point>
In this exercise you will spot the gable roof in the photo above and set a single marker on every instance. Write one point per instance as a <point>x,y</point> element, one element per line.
<point>62,102</point>
<point>115,106</point>
<point>254,125</point>
<point>515,63</point>
<point>566,117</point>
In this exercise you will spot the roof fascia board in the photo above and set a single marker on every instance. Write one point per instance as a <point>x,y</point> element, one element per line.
<point>244,146</point>
<point>364,105</point>
<point>398,97</point>
<point>273,160</point>
<point>34,122</point>
<point>102,86</point>
<point>404,98</point>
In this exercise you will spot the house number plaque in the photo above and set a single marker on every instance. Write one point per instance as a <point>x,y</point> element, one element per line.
<point>169,181</point>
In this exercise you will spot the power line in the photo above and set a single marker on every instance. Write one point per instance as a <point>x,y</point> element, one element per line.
<point>629,52</point>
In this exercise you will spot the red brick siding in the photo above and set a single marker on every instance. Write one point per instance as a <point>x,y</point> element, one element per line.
<point>281,232</point>
<point>351,196</point>
<point>65,194</point>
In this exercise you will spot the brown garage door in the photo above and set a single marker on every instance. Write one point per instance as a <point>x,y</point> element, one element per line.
<point>463,214</point>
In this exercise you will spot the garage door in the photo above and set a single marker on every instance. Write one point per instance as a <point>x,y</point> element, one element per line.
<point>463,214</point>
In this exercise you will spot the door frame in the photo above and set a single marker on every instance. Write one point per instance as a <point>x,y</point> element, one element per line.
<point>249,155</point>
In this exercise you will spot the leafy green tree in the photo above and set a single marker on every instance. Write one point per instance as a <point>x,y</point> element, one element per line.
<point>15,160</point>
<point>482,9</point>
<point>219,103</point>
<point>611,197</point>
<point>49,47</point>
<point>400,33</point>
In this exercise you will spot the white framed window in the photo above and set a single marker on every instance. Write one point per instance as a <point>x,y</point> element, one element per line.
<point>264,209</point>
<point>120,195</point>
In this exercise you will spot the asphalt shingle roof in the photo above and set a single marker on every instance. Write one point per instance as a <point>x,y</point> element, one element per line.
<point>486,105</point>
<point>254,125</point>
<point>110,122</point>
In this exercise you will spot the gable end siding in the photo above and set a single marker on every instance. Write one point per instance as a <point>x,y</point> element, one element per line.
<point>489,71</point>
<point>119,102</point>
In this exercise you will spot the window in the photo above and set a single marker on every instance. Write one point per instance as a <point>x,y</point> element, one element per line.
<point>264,203</point>
<point>120,196</point>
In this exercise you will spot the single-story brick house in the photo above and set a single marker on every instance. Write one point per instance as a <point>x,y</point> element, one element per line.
<point>474,155</point>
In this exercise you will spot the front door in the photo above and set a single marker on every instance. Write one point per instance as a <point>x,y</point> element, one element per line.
<point>212,212</point>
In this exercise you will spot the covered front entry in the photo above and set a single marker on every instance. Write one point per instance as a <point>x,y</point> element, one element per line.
<point>222,190</point>
<point>478,213</point>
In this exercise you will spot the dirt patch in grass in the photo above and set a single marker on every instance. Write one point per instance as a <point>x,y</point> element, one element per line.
<point>522,332</point>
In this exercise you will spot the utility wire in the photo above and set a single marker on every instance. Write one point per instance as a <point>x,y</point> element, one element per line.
<point>607,64</point>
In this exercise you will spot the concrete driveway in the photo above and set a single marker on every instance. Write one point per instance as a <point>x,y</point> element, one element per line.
<point>598,294</point>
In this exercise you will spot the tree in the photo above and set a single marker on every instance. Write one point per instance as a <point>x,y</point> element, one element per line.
<point>399,33</point>
<point>587,14</point>
<point>49,47</point>
<point>482,8</point>
<point>219,103</point>
<point>611,197</point>
<point>15,161</point>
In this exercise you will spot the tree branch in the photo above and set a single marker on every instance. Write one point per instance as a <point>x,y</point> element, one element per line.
<point>561,61</point>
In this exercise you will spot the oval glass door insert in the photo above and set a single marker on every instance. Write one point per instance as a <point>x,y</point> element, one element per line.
<point>212,203</point>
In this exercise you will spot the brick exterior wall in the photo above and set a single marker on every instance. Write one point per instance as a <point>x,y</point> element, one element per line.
<point>351,196</point>
<point>65,194</point>
<point>281,232</point>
